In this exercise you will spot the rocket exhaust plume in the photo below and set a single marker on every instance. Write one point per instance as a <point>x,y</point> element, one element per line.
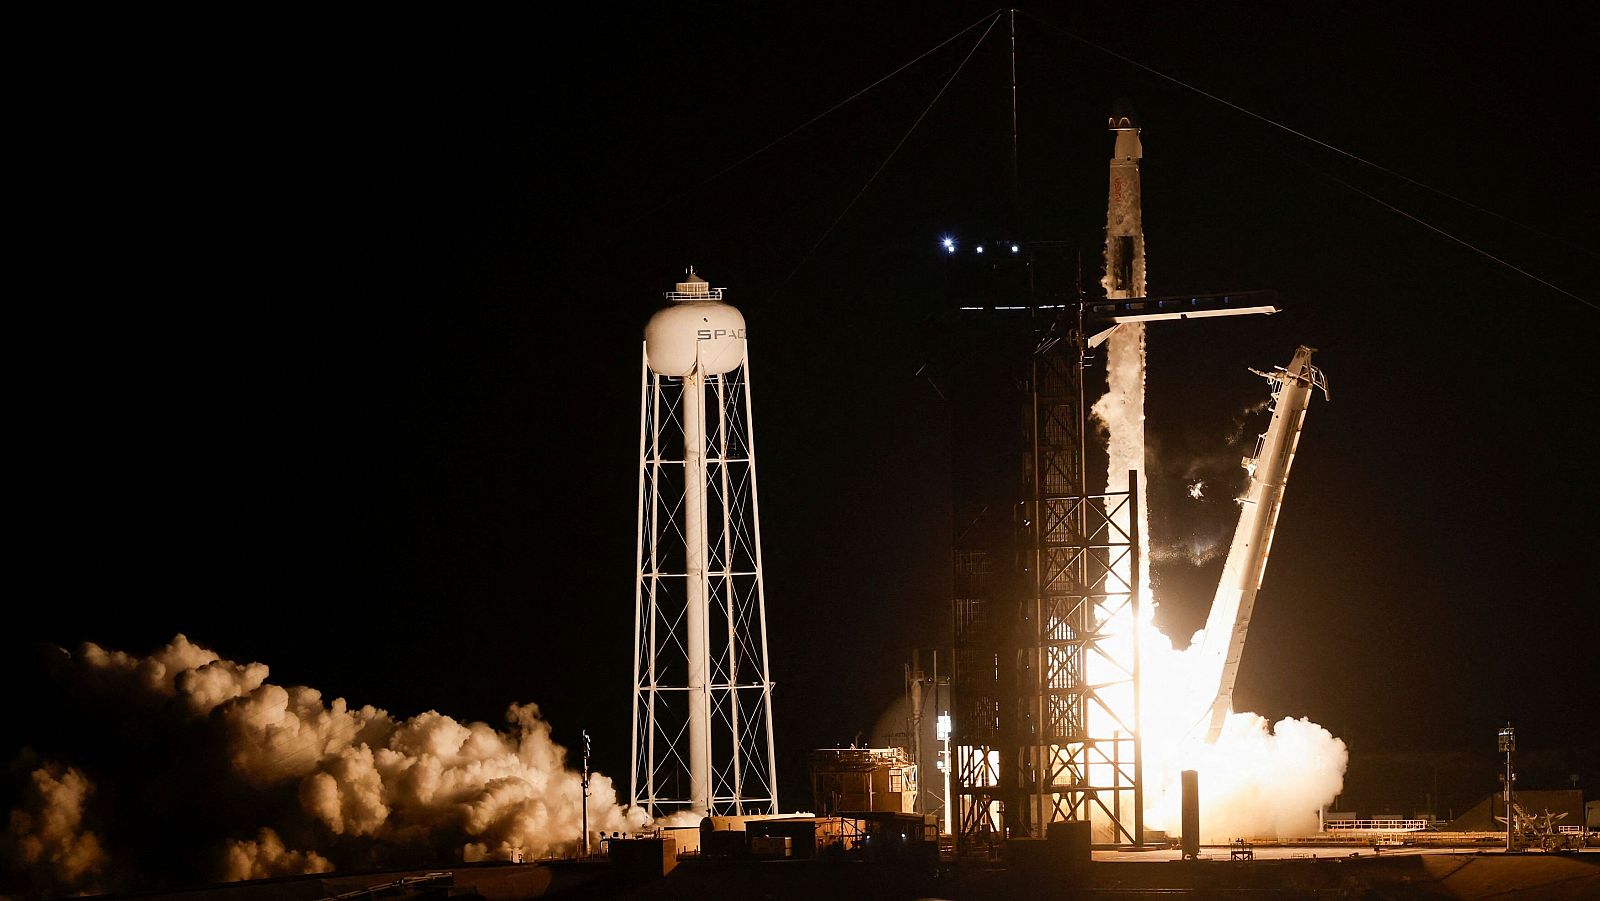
<point>223,775</point>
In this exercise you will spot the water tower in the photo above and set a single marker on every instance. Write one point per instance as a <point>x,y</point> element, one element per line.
<point>702,711</point>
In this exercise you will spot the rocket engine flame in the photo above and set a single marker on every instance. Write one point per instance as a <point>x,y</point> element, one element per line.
<point>324,784</point>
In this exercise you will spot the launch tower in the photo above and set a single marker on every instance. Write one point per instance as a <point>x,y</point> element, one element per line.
<point>702,711</point>
<point>1048,576</point>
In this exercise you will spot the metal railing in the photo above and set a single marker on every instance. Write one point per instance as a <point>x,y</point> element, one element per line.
<point>1381,825</point>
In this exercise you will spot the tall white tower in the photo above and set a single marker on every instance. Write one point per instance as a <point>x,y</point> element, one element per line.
<point>702,711</point>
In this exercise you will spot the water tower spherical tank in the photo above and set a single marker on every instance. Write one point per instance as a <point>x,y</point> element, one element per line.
<point>698,326</point>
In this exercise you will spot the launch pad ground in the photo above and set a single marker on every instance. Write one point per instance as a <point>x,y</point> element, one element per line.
<point>1287,872</point>
<point>1305,871</point>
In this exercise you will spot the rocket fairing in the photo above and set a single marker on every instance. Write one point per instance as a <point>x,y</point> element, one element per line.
<point>1217,666</point>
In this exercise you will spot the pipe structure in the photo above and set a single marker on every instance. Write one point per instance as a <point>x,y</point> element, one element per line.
<point>696,614</point>
<point>1190,837</point>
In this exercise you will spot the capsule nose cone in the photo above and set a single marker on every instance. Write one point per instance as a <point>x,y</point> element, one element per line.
<point>1122,116</point>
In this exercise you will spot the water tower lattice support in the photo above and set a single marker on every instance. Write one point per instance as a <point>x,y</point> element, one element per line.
<point>702,707</point>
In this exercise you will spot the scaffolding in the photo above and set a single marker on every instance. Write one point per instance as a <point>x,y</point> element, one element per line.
<point>1045,625</point>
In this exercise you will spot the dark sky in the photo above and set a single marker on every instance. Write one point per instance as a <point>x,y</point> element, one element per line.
<point>328,353</point>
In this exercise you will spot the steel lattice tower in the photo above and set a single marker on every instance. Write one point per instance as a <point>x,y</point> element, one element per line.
<point>702,711</point>
<point>1081,751</point>
<point>1045,616</point>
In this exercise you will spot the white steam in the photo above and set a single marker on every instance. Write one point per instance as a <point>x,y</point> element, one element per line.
<point>46,839</point>
<point>358,785</point>
<point>1259,780</point>
<point>265,856</point>
<point>1121,409</point>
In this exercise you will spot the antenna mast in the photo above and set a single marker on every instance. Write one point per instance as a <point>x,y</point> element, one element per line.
<point>1016,195</point>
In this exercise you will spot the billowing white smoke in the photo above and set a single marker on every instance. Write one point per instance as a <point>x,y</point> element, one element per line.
<point>356,785</point>
<point>265,856</point>
<point>1122,411</point>
<point>1257,779</point>
<point>46,841</point>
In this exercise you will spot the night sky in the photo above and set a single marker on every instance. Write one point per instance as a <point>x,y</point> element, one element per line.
<point>329,346</point>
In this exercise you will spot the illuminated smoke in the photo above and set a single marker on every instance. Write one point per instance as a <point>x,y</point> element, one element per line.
<point>1196,550</point>
<point>46,842</point>
<point>265,856</point>
<point>1258,779</point>
<point>1215,464</point>
<point>679,818</point>
<point>1212,476</point>
<point>1242,418</point>
<point>1121,409</point>
<point>330,784</point>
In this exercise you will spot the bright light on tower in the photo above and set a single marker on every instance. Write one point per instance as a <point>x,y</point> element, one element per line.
<point>1013,248</point>
<point>949,244</point>
<point>980,248</point>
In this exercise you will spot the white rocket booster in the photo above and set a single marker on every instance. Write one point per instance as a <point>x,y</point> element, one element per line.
<point>1217,665</point>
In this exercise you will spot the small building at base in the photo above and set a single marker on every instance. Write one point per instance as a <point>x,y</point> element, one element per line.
<point>863,779</point>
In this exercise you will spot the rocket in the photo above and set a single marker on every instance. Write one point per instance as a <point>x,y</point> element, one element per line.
<point>1124,276</point>
<point>1127,301</point>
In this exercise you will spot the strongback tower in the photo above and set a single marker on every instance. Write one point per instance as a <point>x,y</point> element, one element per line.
<point>702,711</point>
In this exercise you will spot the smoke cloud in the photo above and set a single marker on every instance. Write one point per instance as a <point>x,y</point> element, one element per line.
<point>1121,411</point>
<point>1259,780</point>
<point>45,839</point>
<point>316,784</point>
<point>265,856</point>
